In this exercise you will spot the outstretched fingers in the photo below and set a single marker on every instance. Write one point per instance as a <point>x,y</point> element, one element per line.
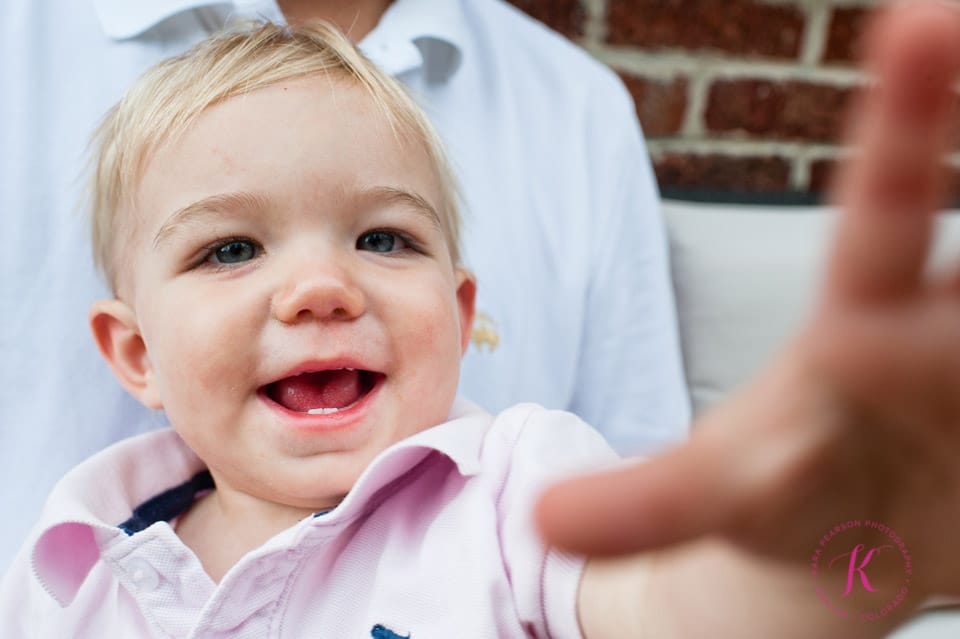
<point>889,191</point>
<point>677,497</point>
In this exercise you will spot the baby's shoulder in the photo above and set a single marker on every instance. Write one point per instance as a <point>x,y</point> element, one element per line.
<point>544,443</point>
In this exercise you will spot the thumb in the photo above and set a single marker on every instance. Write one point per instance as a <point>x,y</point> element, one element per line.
<point>684,494</point>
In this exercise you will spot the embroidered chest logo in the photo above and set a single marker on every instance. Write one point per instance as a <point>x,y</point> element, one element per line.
<point>485,333</point>
<point>380,632</point>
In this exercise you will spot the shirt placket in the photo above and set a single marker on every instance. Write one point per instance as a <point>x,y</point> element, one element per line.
<point>163,577</point>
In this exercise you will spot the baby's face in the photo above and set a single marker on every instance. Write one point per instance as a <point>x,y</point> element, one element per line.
<point>294,292</point>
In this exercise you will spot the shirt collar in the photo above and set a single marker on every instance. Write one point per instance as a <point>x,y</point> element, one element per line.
<point>124,19</point>
<point>85,509</point>
<point>460,439</point>
<point>411,34</point>
<point>415,33</point>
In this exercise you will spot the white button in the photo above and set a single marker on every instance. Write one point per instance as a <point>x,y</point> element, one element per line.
<point>143,575</point>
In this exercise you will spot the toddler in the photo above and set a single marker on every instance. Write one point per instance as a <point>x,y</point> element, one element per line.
<point>280,229</point>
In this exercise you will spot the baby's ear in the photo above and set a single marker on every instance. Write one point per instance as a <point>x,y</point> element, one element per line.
<point>117,334</point>
<point>466,299</point>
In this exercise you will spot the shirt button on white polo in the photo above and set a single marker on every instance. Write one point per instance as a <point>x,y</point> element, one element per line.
<point>143,575</point>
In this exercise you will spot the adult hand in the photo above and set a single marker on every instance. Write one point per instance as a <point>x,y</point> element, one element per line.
<point>860,416</point>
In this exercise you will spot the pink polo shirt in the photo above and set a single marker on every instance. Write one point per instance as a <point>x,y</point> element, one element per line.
<point>434,540</point>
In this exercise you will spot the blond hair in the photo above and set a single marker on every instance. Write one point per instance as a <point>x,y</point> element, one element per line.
<point>166,99</point>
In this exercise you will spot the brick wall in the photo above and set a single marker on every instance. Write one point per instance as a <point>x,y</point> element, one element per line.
<point>733,95</point>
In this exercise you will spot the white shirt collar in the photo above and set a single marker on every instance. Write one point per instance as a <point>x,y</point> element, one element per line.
<point>436,30</point>
<point>411,34</point>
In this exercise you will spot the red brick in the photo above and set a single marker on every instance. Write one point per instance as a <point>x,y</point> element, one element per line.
<point>778,110</point>
<point>738,26</point>
<point>822,175</point>
<point>565,16</point>
<point>721,172</point>
<point>661,104</point>
<point>844,34</point>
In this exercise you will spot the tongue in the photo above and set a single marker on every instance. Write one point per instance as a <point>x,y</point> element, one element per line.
<point>326,389</point>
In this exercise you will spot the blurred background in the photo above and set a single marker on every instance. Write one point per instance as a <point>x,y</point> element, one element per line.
<point>736,97</point>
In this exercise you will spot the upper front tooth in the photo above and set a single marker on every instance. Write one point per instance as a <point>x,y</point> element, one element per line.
<point>351,369</point>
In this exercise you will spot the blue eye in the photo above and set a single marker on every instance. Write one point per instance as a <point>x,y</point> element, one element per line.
<point>235,252</point>
<point>380,242</point>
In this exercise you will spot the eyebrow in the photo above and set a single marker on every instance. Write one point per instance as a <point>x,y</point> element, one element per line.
<point>409,199</point>
<point>224,203</point>
<point>213,206</point>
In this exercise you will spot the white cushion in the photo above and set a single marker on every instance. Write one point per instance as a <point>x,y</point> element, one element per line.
<point>744,278</point>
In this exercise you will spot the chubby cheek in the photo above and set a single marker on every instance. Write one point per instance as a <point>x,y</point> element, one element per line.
<point>202,350</point>
<point>430,347</point>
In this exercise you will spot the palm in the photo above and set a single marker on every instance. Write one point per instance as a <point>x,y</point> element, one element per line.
<point>889,368</point>
<point>860,417</point>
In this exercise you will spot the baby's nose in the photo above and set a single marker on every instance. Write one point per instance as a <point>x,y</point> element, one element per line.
<point>319,291</point>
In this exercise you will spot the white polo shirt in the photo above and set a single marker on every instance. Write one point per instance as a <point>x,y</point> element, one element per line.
<point>435,540</point>
<point>562,222</point>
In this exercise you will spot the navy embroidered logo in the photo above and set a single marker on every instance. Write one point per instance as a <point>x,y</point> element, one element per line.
<point>381,632</point>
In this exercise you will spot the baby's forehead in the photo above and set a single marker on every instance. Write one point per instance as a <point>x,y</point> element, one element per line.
<point>183,174</point>
<point>229,141</point>
<point>386,108</point>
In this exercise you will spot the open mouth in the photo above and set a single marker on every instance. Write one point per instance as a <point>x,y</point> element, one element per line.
<point>322,392</point>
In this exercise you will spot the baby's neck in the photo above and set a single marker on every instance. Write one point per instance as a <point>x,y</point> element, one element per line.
<point>221,531</point>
